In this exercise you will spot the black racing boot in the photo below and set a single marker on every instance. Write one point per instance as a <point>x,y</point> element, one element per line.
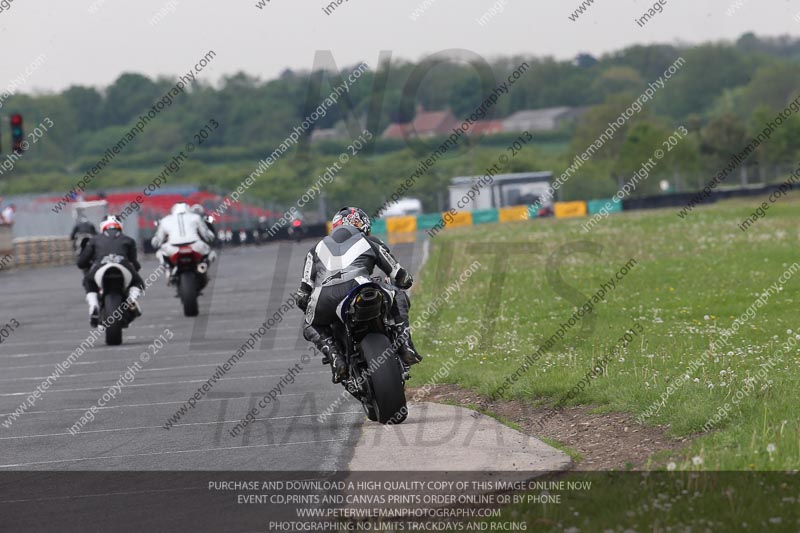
<point>405,347</point>
<point>331,352</point>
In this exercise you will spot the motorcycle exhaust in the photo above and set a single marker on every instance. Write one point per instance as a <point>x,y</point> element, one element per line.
<point>202,268</point>
<point>368,305</point>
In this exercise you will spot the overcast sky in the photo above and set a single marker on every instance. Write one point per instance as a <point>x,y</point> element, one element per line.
<point>94,49</point>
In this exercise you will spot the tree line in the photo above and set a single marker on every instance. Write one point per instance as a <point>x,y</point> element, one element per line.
<point>723,95</point>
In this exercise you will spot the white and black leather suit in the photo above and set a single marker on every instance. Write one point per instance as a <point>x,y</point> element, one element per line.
<point>111,243</point>
<point>338,263</point>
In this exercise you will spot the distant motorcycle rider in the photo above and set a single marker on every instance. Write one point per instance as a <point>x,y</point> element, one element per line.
<point>180,228</point>
<point>110,245</point>
<point>82,231</point>
<point>340,262</point>
<point>198,209</point>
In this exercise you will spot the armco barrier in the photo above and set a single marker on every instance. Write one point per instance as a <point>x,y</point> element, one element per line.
<point>514,214</point>
<point>680,200</point>
<point>569,209</point>
<point>610,206</point>
<point>460,218</point>
<point>401,229</point>
<point>407,224</point>
<point>378,226</point>
<point>431,220</point>
<point>485,216</point>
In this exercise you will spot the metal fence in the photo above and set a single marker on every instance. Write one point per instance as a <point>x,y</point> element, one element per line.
<point>37,219</point>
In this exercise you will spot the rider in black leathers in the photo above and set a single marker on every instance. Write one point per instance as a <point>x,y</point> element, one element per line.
<point>338,263</point>
<point>83,226</point>
<point>111,243</point>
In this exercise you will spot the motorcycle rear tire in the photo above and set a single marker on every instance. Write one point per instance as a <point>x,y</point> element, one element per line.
<point>385,379</point>
<point>188,291</point>
<point>111,302</point>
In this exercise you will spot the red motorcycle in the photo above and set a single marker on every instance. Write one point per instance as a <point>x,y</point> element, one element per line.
<point>190,274</point>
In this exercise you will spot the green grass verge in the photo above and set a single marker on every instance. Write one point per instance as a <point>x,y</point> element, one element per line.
<point>692,279</point>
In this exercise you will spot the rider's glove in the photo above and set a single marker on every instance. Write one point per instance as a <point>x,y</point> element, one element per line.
<point>403,279</point>
<point>301,297</point>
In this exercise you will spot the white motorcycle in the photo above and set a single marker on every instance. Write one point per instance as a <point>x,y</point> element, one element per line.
<point>114,280</point>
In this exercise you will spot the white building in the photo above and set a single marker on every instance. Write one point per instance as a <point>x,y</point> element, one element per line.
<point>524,188</point>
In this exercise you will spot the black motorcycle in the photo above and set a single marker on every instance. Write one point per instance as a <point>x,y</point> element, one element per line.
<point>114,279</point>
<point>296,230</point>
<point>377,376</point>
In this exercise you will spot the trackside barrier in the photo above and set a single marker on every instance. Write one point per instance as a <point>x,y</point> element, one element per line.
<point>514,214</point>
<point>6,248</point>
<point>378,226</point>
<point>429,221</point>
<point>485,216</point>
<point>404,228</point>
<point>405,224</point>
<point>43,251</point>
<point>569,209</point>
<point>401,229</point>
<point>460,218</point>
<point>610,206</point>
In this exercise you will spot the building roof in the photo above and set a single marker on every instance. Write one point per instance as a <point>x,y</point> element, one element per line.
<point>486,127</point>
<point>547,113</point>
<point>517,177</point>
<point>424,123</point>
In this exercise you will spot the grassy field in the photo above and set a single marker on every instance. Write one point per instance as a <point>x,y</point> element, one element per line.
<point>692,279</point>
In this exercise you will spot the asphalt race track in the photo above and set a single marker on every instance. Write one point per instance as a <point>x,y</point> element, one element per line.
<point>128,433</point>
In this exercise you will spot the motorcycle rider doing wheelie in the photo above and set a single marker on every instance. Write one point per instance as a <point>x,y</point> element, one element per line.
<point>340,262</point>
<point>110,245</point>
<point>182,227</point>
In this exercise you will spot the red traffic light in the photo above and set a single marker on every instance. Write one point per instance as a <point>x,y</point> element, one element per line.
<point>16,120</point>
